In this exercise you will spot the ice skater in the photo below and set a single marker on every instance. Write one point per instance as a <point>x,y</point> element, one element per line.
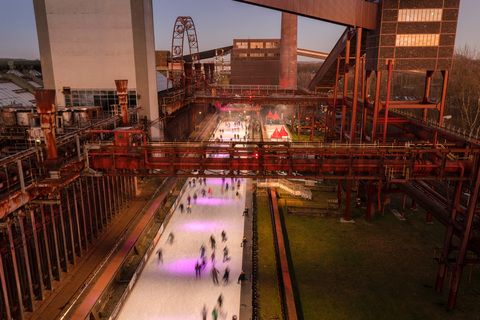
<point>160,255</point>
<point>194,197</point>
<point>188,199</point>
<point>198,270</point>
<point>212,256</point>
<point>226,275</point>
<point>215,273</point>
<point>212,242</point>
<point>181,207</point>
<point>215,313</point>
<point>204,193</point>
<point>170,238</point>
<point>189,208</point>
<point>225,254</point>
<point>224,236</point>
<point>204,262</point>
<point>241,277</point>
<point>204,312</point>
<point>244,242</point>
<point>220,300</point>
<point>202,251</point>
<point>209,192</point>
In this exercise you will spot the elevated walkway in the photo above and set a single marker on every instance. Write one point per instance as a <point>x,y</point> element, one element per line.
<point>288,186</point>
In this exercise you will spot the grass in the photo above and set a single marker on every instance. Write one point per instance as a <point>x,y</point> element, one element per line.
<point>305,138</point>
<point>382,269</point>
<point>268,292</point>
<point>371,270</point>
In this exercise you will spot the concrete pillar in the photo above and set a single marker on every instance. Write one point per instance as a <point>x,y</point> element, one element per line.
<point>288,52</point>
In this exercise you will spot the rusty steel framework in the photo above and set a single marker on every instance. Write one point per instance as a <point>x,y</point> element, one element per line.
<point>55,199</point>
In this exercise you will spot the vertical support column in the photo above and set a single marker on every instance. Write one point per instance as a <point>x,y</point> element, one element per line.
<point>6,300</point>
<point>345,86</point>
<point>387,102</point>
<point>333,119</point>
<point>347,214</point>
<point>90,211</point>
<point>376,106</point>
<point>447,243</point>
<point>47,246</point>
<point>46,109</point>
<point>37,254</point>
<point>106,199</point>
<point>70,226</point>
<point>441,111</point>
<point>84,215</point>
<point>115,194</point>
<point>31,296</point>
<point>15,268</point>
<point>366,103</point>
<point>62,227</point>
<point>55,241</point>
<point>122,99</point>
<point>370,204</point>
<point>426,93</point>
<point>96,204</point>
<point>77,219</point>
<point>288,52</point>
<point>353,122</point>
<point>458,267</point>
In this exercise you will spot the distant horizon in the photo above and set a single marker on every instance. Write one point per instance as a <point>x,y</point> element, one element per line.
<point>230,20</point>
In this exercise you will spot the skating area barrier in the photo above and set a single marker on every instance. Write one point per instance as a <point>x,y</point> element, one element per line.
<point>288,186</point>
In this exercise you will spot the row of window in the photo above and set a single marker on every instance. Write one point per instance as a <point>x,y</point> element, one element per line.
<point>257,45</point>
<point>99,98</point>
<point>417,40</point>
<point>258,55</point>
<point>419,15</point>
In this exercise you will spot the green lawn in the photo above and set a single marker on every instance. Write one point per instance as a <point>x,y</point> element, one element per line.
<point>268,293</point>
<point>382,269</point>
<point>378,270</point>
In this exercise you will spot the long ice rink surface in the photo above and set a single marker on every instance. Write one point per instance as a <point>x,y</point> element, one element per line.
<point>169,289</point>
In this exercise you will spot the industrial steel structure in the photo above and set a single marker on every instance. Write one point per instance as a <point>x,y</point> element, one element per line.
<point>60,194</point>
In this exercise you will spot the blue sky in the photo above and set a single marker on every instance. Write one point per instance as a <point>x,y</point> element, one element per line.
<point>217,23</point>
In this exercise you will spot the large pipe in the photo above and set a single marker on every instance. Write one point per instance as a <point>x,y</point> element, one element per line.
<point>45,99</point>
<point>122,86</point>
<point>288,52</point>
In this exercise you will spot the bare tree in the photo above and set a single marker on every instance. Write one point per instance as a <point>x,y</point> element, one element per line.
<point>463,100</point>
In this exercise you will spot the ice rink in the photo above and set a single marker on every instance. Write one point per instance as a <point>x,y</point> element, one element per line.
<point>169,289</point>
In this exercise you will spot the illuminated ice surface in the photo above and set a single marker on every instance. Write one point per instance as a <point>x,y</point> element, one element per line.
<point>169,290</point>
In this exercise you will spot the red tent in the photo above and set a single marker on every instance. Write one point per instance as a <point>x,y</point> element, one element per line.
<point>275,116</point>
<point>276,134</point>
<point>283,132</point>
<point>269,114</point>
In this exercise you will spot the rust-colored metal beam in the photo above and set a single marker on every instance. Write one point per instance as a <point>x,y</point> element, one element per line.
<point>312,54</point>
<point>45,99</point>
<point>122,87</point>
<point>355,13</point>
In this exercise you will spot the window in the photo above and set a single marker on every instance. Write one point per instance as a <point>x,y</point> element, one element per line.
<point>90,97</point>
<point>417,40</point>
<point>256,45</point>
<point>242,55</point>
<point>419,15</point>
<point>271,45</point>
<point>241,45</point>
<point>257,55</point>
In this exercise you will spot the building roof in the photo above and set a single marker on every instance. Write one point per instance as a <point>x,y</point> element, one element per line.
<point>10,94</point>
